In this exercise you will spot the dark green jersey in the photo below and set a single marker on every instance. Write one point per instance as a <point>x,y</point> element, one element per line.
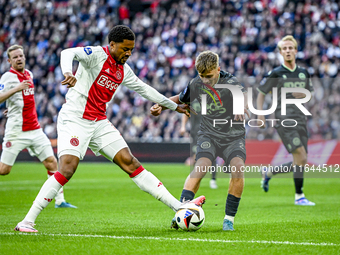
<point>195,120</point>
<point>283,77</point>
<point>215,111</point>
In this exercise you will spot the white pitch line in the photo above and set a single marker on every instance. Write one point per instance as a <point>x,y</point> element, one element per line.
<point>172,239</point>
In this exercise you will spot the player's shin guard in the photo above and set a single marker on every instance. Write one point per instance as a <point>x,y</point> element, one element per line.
<point>46,194</point>
<point>231,207</point>
<point>149,183</point>
<point>59,198</point>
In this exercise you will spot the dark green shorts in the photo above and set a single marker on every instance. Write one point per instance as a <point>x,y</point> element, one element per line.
<point>213,148</point>
<point>293,137</point>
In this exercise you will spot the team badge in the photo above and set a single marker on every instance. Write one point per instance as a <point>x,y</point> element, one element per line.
<point>8,144</point>
<point>74,141</point>
<point>296,141</point>
<point>119,75</point>
<point>302,76</point>
<point>205,145</point>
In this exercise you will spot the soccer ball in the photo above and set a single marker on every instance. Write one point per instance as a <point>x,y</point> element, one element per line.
<point>190,217</point>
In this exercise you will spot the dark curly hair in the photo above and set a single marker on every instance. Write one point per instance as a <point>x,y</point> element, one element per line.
<point>120,33</point>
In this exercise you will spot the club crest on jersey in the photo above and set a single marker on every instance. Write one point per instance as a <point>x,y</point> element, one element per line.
<point>74,141</point>
<point>88,50</point>
<point>119,75</point>
<point>2,86</point>
<point>8,144</point>
<point>302,76</point>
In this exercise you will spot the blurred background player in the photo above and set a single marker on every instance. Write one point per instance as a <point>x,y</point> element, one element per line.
<point>195,121</point>
<point>83,123</point>
<point>22,127</point>
<point>222,140</point>
<point>294,138</point>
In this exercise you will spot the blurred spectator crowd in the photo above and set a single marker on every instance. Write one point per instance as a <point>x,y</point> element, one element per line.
<point>169,35</point>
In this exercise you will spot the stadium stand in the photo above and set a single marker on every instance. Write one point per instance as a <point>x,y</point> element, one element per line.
<point>169,35</point>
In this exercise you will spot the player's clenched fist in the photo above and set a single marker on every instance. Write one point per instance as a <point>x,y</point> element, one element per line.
<point>156,110</point>
<point>70,80</point>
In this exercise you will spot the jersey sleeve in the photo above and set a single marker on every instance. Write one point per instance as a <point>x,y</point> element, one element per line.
<point>234,81</point>
<point>268,82</point>
<point>132,82</point>
<point>309,82</point>
<point>189,94</point>
<point>88,56</point>
<point>184,96</point>
<point>7,82</point>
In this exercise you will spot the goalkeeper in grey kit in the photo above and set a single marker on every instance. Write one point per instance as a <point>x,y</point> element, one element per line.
<point>225,140</point>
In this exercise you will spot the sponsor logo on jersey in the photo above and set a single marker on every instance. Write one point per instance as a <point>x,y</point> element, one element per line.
<point>2,86</point>
<point>88,50</point>
<point>212,96</point>
<point>74,141</point>
<point>104,81</point>
<point>8,144</point>
<point>296,84</point>
<point>29,91</point>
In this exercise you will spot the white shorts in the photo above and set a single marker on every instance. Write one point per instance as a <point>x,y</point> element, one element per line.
<point>35,141</point>
<point>75,135</point>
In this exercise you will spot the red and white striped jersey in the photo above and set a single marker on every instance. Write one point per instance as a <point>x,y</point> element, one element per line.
<point>22,114</point>
<point>98,78</point>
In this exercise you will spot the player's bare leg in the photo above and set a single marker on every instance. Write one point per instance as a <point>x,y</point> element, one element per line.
<point>144,179</point>
<point>5,169</point>
<point>67,167</point>
<point>234,193</point>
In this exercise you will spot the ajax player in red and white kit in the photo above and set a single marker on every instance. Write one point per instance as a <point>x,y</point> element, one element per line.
<point>22,127</point>
<point>82,121</point>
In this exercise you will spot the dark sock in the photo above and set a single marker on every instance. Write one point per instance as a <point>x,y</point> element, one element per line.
<point>298,179</point>
<point>187,195</point>
<point>232,205</point>
<point>284,168</point>
<point>213,175</point>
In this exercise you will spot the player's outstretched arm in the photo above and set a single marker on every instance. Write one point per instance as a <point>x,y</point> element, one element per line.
<point>5,95</point>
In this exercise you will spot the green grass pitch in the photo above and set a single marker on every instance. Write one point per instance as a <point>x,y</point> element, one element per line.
<point>115,217</point>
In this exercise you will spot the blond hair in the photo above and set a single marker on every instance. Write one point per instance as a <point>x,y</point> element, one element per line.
<point>206,61</point>
<point>12,48</point>
<point>287,38</point>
